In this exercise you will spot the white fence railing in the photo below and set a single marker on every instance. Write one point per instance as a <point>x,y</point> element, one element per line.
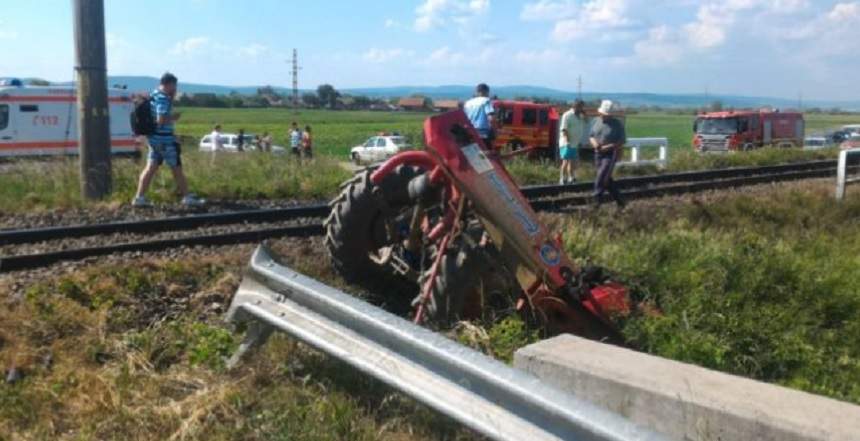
<point>842,178</point>
<point>636,146</point>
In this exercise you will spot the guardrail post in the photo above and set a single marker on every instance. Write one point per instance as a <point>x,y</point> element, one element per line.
<point>634,154</point>
<point>841,170</point>
<point>256,335</point>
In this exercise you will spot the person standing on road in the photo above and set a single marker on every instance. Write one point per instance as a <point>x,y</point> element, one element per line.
<point>480,110</point>
<point>608,138</point>
<point>307,143</point>
<point>574,124</point>
<point>295,139</point>
<point>162,144</point>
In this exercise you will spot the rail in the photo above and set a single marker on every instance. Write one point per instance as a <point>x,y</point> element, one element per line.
<point>483,394</point>
<point>636,144</point>
<point>842,178</point>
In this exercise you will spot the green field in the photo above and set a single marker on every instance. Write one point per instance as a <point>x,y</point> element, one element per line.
<point>337,132</point>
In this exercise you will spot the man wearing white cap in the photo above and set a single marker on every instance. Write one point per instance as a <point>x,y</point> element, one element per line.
<point>608,138</point>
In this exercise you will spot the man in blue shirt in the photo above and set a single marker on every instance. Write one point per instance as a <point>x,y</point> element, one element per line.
<point>162,144</point>
<point>608,138</point>
<point>480,110</point>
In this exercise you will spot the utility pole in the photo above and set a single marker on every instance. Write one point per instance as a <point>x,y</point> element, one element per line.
<point>93,119</point>
<point>579,87</point>
<point>296,78</point>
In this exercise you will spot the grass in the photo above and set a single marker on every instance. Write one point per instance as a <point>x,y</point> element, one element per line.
<point>35,186</point>
<point>49,185</point>
<point>755,285</point>
<point>336,132</point>
<point>136,351</point>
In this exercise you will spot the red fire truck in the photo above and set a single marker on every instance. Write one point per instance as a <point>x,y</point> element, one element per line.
<point>747,130</point>
<point>527,126</point>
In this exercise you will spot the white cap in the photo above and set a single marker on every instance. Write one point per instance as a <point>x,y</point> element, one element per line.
<point>605,107</point>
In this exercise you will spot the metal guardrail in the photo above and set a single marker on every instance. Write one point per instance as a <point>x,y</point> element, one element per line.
<point>842,178</point>
<point>485,395</point>
<point>636,144</point>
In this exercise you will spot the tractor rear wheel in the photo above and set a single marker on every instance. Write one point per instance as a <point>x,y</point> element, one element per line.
<point>357,227</point>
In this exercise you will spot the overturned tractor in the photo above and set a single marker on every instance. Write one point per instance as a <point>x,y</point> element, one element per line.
<point>450,224</point>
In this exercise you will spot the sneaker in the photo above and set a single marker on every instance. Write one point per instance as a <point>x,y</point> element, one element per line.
<point>140,202</point>
<point>562,181</point>
<point>191,200</point>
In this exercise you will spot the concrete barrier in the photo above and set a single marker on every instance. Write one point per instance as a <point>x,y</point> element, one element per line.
<point>683,401</point>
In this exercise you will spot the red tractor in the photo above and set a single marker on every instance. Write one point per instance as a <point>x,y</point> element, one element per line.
<point>747,130</point>
<point>451,226</point>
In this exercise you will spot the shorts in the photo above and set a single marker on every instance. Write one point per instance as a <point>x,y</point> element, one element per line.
<point>169,153</point>
<point>569,153</point>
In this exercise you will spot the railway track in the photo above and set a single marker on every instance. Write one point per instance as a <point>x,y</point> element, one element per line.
<point>542,198</point>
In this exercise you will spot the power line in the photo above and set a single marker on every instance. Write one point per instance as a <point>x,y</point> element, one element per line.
<point>296,69</point>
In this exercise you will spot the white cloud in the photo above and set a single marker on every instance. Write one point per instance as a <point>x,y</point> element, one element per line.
<point>253,50</point>
<point>662,47</point>
<point>597,17</point>
<point>392,23</point>
<point>189,46</point>
<point>444,55</point>
<point>544,56</point>
<point>376,55</point>
<point>549,10</point>
<point>439,13</point>
<point>844,12</point>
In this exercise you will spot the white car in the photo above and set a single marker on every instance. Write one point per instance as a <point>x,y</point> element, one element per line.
<point>815,143</point>
<point>378,148</point>
<point>230,143</point>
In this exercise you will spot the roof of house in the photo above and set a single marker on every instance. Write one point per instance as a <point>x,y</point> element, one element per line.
<point>447,104</point>
<point>411,102</point>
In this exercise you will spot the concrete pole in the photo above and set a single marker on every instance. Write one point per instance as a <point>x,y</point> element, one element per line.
<point>93,118</point>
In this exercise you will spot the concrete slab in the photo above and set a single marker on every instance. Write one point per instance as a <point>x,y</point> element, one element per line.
<point>685,401</point>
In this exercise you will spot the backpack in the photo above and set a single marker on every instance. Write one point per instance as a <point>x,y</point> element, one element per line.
<point>142,122</point>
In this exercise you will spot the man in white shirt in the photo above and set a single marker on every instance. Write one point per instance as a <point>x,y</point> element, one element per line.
<point>217,142</point>
<point>571,139</point>
<point>479,110</point>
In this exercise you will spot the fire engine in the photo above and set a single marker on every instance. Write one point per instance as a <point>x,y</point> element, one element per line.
<point>747,130</point>
<point>42,121</point>
<point>526,127</point>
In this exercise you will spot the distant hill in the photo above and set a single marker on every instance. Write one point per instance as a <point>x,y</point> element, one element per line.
<point>141,83</point>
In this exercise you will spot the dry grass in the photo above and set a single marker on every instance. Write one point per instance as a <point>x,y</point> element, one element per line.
<point>136,351</point>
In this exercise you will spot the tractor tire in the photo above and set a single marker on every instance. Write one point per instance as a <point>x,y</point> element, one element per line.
<point>471,284</point>
<point>357,222</point>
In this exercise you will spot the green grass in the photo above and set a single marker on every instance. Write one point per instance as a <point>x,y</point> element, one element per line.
<point>49,185</point>
<point>336,132</point>
<point>760,286</point>
<point>138,353</point>
<point>34,186</point>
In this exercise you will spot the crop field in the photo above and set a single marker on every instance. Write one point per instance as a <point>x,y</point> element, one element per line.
<point>336,132</point>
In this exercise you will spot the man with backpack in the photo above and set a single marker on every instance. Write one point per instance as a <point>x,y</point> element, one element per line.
<point>154,118</point>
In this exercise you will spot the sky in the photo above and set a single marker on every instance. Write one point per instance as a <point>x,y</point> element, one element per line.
<point>777,48</point>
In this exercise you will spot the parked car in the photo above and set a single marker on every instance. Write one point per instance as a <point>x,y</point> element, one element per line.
<point>230,143</point>
<point>816,142</point>
<point>853,142</point>
<point>379,148</point>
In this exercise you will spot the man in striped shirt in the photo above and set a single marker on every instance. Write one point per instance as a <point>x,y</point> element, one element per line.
<point>163,147</point>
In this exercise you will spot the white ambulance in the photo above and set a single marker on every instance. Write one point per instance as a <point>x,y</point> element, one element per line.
<point>42,120</point>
